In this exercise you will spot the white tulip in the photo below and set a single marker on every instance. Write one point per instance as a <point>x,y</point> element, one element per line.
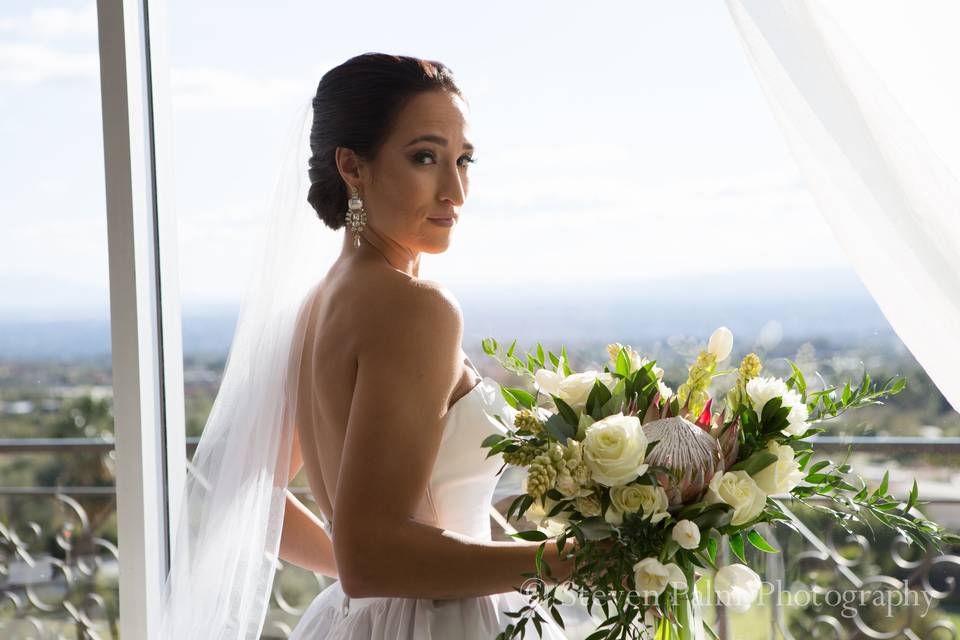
<point>737,586</point>
<point>614,449</point>
<point>548,381</point>
<point>737,489</point>
<point>651,577</point>
<point>664,389</point>
<point>781,475</point>
<point>576,388</point>
<point>552,526</point>
<point>675,578</point>
<point>686,534</point>
<point>721,343</point>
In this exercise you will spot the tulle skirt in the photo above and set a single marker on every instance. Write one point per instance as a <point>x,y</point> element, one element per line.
<point>475,618</point>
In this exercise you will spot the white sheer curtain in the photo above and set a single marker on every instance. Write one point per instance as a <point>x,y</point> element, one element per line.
<point>891,202</point>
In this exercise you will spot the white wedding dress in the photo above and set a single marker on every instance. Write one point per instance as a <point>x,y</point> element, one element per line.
<point>458,498</point>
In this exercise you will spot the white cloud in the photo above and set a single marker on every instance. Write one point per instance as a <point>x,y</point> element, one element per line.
<point>27,64</point>
<point>202,89</point>
<point>51,22</point>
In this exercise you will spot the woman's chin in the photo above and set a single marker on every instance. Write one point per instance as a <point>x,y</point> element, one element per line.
<point>437,243</point>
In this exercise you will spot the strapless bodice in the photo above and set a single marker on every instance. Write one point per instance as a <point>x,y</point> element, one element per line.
<point>463,479</point>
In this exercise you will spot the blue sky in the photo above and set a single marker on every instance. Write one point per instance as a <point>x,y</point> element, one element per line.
<point>640,123</point>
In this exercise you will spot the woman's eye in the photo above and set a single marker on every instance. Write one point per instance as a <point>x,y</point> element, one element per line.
<point>418,157</point>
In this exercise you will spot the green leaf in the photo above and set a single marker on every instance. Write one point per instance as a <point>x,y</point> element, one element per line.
<point>623,362</point>
<point>736,545</point>
<point>756,462</point>
<point>770,409</point>
<point>556,616</point>
<point>559,429</point>
<point>712,549</point>
<point>882,489</point>
<point>759,542</point>
<point>912,499</point>
<point>566,411</point>
<point>532,536</point>
<point>819,465</point>
<point>595,528</point>
<point>524,397</point>
<point>508,396</point>
<point>598,397</point>
<point>492,439</point>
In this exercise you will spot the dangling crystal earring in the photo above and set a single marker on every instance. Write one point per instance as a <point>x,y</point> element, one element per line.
<point>356,215</point>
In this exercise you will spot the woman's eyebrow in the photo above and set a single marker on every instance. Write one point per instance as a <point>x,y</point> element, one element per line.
<point>440,140</point>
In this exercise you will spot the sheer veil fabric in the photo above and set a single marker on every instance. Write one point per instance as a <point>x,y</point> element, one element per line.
<point>227,529</point>
<point>890,201</point>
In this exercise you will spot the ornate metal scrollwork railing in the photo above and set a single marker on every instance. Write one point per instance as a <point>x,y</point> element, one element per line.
<point>58,573</point>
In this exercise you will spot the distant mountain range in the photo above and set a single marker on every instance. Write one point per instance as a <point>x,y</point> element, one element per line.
<point>803,304</point>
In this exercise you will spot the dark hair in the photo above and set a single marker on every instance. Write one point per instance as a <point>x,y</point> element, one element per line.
<point>355,107</point>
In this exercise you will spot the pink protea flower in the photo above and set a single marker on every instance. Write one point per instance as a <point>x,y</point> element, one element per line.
<point>691,454</point>
<point>728,440</point>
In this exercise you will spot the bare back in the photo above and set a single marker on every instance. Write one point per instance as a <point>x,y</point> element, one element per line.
<point>337,319</point>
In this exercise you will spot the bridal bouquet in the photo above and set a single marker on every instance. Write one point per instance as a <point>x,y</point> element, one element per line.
<point>650,482</point>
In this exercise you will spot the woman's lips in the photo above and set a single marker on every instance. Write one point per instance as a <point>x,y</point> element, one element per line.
<point>443,222</point>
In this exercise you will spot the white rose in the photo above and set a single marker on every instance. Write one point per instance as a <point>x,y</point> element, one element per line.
<point>737,586</point>
<point>781,475</point>
<point>797,417</point>
<point>633,498</point>
<point>721,343</point>
<point>687,534</point>
<point>651,577</point>
<point>589,505</point>
<point>761,390</point>
<point>737,489</point>
<point>614,449</point>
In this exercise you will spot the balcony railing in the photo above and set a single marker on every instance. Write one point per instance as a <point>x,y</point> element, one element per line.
<point>61,592</point>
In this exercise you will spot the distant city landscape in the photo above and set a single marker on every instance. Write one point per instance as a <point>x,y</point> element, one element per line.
<point>56,383</point>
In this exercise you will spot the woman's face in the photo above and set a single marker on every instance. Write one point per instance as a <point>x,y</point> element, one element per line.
<point>420,174</point>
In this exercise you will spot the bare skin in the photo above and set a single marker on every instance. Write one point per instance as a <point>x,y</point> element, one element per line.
<point>382,364</point>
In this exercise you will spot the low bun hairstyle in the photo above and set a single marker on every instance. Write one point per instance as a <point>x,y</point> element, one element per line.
<point>355,107</point>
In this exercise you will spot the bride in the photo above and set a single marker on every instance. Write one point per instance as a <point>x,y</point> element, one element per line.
<point>391,413</point>
<point>357,376</point>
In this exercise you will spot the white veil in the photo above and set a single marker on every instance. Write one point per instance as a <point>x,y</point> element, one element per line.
<point>227,533</point>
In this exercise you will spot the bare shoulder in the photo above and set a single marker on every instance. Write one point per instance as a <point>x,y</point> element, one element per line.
<point>397,307</point>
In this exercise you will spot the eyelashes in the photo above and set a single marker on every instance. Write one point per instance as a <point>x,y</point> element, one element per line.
<point>470,159</point>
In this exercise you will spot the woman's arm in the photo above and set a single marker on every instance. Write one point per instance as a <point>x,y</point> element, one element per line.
<point>407,372</point>
<point>303,540</point>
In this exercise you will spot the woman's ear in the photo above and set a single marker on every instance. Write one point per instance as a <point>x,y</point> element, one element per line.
<point>348,164</point>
